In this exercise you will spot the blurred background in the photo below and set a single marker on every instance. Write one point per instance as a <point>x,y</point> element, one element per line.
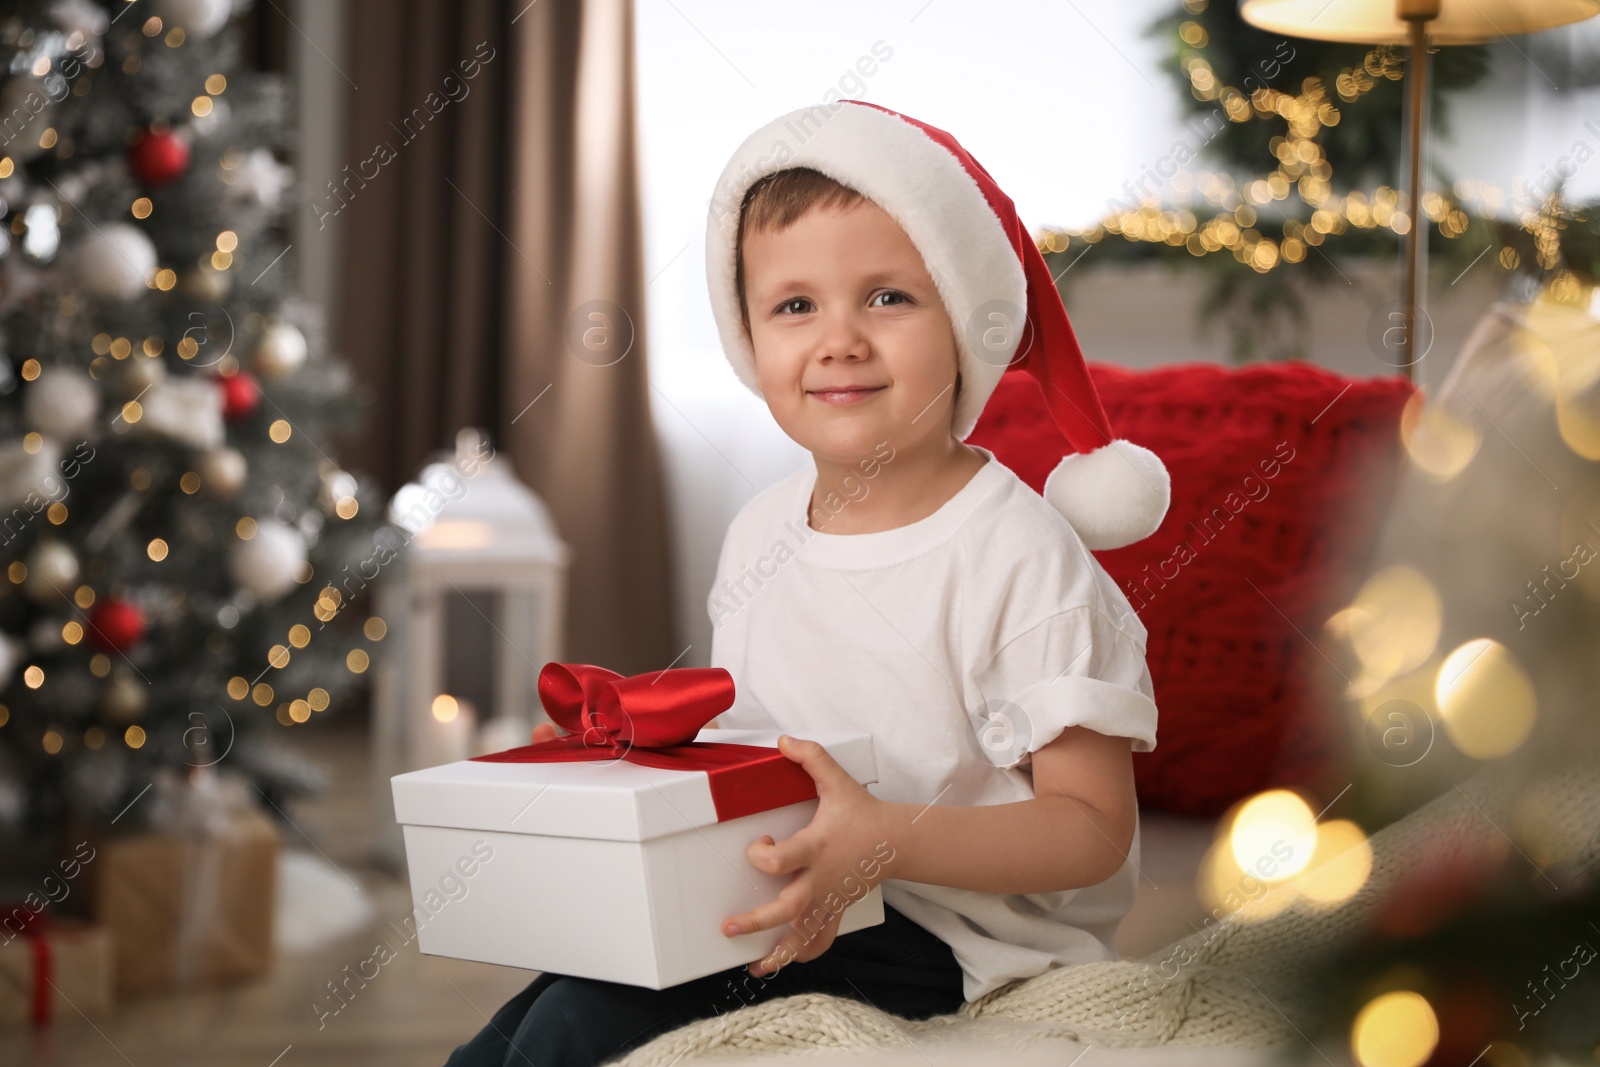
<point>356,361</point>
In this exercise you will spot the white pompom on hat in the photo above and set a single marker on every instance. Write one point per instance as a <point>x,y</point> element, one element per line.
<point>991,276</point>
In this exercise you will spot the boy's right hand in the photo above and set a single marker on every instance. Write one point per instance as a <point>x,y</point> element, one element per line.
<point>545,731</point>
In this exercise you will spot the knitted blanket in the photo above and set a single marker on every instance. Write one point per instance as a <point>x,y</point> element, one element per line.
<point>1247,979</point>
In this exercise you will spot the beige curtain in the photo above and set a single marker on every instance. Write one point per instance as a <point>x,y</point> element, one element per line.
<point>493,276</point>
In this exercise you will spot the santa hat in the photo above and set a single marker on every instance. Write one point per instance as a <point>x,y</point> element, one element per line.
<point>993,281</point>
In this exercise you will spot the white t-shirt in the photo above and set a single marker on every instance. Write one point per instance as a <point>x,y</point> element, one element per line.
<point>962,642</point>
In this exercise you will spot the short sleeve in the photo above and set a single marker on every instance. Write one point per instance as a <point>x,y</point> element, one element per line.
<point>1075,668</point>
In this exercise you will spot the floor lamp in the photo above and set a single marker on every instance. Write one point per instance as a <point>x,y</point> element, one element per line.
<point>1417,24</point>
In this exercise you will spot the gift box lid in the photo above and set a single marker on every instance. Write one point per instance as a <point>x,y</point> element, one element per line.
<point>612,800</point>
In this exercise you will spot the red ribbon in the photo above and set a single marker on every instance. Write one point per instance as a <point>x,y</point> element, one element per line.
<point>652,719</point>
<point>34,926</point>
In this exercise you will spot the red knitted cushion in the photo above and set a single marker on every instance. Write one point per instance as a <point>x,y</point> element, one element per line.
<point>1281,474</point>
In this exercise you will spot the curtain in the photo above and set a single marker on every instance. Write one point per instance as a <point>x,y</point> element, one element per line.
<point>493,277</point>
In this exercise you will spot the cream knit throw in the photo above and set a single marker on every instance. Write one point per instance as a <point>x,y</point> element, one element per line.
<point>1241,981</point>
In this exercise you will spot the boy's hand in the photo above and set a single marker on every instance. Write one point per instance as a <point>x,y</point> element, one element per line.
<point>836,859</point>
<point>545,731</point>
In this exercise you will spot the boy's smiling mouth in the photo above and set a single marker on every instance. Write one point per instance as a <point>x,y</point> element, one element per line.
<point>853,394</point>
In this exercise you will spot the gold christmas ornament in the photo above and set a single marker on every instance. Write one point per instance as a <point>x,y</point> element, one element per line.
<point>222,472</point>
<point>52,572</point>
<point>280,352</point>
<point>124,698</point>
<point>139,374</point>
<point>206,284</point>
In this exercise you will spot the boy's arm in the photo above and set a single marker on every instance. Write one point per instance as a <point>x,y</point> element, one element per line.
<point>1079,828</point>
<point>1076,832</point>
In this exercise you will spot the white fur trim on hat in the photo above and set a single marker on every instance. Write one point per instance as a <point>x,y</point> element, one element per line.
<point>1113,496</point>
<point>927,192</point>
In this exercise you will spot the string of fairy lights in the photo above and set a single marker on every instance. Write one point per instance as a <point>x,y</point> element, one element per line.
<point>1303,171</point>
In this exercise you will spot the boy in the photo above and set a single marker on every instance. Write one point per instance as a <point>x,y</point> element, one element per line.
<point>871,283</point>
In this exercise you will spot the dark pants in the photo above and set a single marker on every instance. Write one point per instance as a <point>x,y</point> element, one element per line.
<point>560,1021</point>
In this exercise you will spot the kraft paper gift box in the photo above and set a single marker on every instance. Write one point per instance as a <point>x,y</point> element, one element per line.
<point>618,851</point>
<point>191,903</point>
<point>55,970</point>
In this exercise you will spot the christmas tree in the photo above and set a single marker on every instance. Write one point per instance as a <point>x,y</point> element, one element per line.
<point>173,527</point>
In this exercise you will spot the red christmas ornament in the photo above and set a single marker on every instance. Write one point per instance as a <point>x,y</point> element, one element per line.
<point>116,625</point>
<point>241,395</point>
<point>158,157</point>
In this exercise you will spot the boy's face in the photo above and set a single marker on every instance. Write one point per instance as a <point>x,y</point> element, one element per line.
<point>852,343</point>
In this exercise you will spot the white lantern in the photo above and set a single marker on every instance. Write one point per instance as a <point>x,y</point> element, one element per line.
<point>475,605</point>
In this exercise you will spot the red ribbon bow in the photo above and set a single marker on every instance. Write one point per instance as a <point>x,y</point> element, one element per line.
<point>652,719</point>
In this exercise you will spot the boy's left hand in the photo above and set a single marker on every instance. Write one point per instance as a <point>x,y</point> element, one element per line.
<point>836,859</point>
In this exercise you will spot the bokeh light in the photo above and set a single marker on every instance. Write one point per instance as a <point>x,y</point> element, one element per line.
<point>1392,626</point>
<point>1279,824</point>
<point>1397,1029</point>
<point>1339,866</point>
<point>1485,699</point>
<point>1439,441</point>
<point>1227,890</point>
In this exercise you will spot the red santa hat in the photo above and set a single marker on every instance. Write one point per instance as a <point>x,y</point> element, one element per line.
<point>989,273</point>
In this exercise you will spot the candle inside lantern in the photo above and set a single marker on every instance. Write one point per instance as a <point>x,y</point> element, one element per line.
<point>449,731</point>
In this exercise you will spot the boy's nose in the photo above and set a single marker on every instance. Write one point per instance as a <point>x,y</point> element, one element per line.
<point>843,338</point>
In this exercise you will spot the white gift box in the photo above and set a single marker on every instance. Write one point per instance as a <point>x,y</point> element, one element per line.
<point>608,870</point>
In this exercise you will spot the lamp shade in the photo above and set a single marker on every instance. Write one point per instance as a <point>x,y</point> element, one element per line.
<point>1377,21</point>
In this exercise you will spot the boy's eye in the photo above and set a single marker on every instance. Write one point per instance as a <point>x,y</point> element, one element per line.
<point>893,293</point>
<point>787,304</point>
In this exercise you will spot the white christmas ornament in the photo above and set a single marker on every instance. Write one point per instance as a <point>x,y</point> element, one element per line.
<point>199,18</point>
<point>188,410</point>
<point>40,231</point>
<point>280,352</point>
<point>79,16</point>
<point>115,261</point>
<point>61,404</point>
<point>28,478</point>
<point>267,564</point>
<point>222,472</point>
<point>52,573</point>
<point>260,177</point>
